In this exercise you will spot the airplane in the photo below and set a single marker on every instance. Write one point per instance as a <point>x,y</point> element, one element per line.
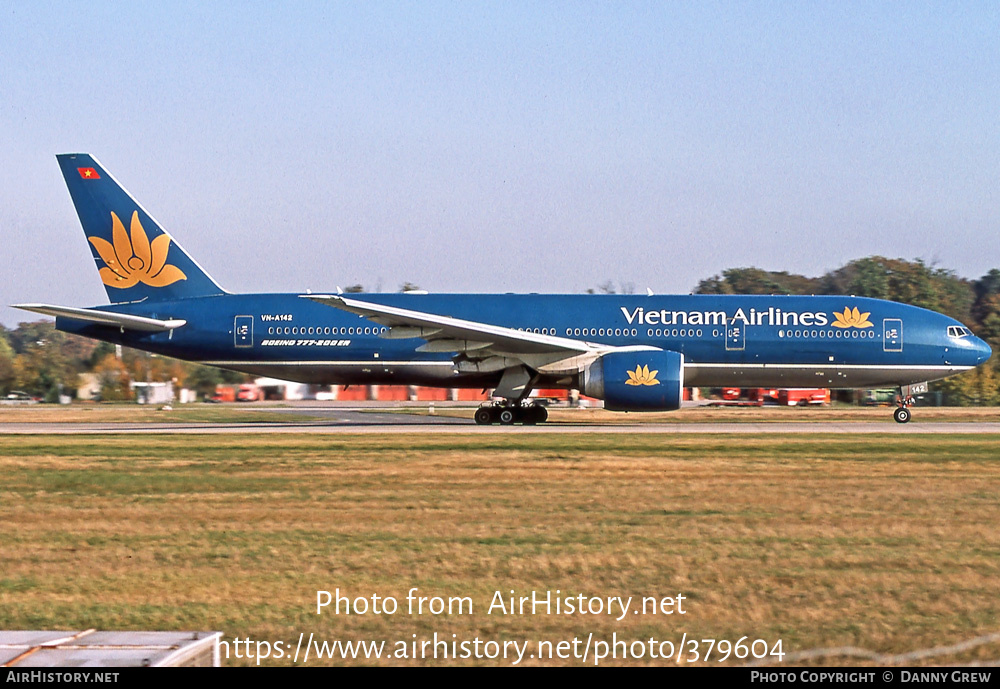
<point>636,353</point>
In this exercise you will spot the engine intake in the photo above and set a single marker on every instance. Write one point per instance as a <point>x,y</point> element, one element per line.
<point>648,380</point>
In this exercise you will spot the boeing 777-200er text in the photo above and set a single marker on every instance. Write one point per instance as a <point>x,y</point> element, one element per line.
<point>634,352</point>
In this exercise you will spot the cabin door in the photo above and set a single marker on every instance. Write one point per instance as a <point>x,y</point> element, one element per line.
<point>892,335</point>
<point>243,331</point>
<point>735,337</point>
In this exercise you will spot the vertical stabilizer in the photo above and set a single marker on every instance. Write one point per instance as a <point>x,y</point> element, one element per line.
<point>136,258</point>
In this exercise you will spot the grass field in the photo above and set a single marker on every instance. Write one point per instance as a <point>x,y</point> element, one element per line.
<point>889,544</point>
<point>135,413</point>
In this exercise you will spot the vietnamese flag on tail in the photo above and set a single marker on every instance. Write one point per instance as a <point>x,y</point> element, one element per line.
<point>88,173</point>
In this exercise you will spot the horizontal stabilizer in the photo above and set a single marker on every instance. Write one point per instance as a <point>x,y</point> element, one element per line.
<point>119,320</point>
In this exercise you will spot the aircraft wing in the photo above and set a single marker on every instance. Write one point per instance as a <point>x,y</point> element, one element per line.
<point>98,317</point>
<point>447,334</point>
<point>478,346</point>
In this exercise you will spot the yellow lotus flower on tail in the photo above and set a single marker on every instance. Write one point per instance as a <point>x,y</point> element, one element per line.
<point>852,318</point>
<point>642,376</point>
<point>133,259</point>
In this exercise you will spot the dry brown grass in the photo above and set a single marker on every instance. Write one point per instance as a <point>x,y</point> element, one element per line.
<point>884,543</point>
<point>135,413</point>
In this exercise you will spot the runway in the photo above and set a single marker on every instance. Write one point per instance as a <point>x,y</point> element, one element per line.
<point>350,421</point>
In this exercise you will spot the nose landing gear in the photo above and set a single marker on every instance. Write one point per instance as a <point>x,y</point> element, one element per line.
<point>906,400</point>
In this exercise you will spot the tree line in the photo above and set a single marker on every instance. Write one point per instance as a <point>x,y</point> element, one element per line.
<point>40,361</point>
<point>976,303</point>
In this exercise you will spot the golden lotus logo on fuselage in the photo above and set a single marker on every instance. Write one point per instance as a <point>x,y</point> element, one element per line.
<point>852,318</point>
<point>642,376</point>
<point>131,260</point>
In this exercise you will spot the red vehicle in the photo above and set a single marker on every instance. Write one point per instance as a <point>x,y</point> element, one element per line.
<point>803,396</point>
<point>249,392</point>
<point>223,393</point>
<point>790,397</point>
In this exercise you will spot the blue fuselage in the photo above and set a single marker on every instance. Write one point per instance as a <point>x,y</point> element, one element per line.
<point>742,341</point>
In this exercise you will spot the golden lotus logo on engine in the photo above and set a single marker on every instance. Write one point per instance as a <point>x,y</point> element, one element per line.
<point>851,318</point>
<point>133,259</point>
<point>642,376</point>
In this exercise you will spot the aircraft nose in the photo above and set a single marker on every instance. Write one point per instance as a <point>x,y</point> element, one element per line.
<point>983,350</point>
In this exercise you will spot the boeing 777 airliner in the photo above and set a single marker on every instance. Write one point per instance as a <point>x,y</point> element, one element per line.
<point>636,353</point>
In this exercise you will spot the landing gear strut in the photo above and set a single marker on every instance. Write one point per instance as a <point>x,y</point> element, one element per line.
<point>907,399</point>
<point>902,413</point>
<point>507,414</point>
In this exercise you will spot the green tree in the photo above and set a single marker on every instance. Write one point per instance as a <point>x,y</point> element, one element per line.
<point>910,282</point>
<point>114,379</point>
<point>979,387</point>
<point>8,373</point>
<point>986,309</point>
<point>608,287</point>
<point>42,368</point>
<point>204,379</point>
<point>757,281</point>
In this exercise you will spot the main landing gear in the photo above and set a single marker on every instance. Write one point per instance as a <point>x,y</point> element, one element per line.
<point>507,414</point>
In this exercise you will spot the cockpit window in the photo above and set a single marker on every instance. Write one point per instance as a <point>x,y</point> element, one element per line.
<point>958,331</point>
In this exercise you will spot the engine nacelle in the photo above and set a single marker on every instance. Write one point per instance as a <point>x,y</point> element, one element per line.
<point>645,380</point>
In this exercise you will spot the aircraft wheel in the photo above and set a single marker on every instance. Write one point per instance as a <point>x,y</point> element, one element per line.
<point>484,416</point>
<point>533,415</point>
<point>901,415</point>
<point>507,417</point>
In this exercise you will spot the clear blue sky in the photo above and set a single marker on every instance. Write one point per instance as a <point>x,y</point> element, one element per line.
<point>503,146</point>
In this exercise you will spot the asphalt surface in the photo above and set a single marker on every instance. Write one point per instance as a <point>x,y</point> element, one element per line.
<point>334,421</point>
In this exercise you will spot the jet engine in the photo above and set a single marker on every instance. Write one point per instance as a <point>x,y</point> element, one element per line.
<point>642,380</point>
